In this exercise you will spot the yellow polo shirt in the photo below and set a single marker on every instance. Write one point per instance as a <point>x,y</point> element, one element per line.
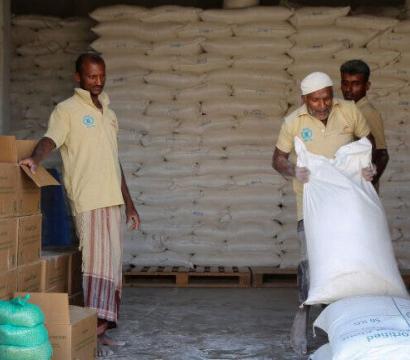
<point>345,123</point>
<point>374,120</point>
<point>87,139</point>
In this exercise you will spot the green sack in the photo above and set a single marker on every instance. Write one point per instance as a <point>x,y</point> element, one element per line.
<point>23,336</point>
<point>19,312</point>
<point>40,352</point>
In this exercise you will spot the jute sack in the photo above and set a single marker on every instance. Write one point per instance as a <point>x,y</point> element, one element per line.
<point>301,69</point>
<point>55,61</point>
<point>77,47</point>
<point>396,71</point>
<point>202,63</point>
<point>134,77</point>
<point>367,22</point>
<point>146,62</point>
<point>242,107</point>
<point>167,170</point>
<point>118,62</point>
<point>199,127</point>
<point>174,110</point>
<point>374,58</point>
<point>245,46</point>
<point>241,16</point>
<point>317,15</point>
<point>301,52</point>
<point>118,12</point>
<point>391,41</point>
<point>64,35</point>
<point>174,80</point>
<point>143,91</point>
<point>402,27</point>
<point>125,45</point>
<point>35,22</point>
<point>39,48</point>
<point>248,77</point>
<point>172,13</point>
<point>319,35</point>
<point>271,30</point>
<point>138,30</point>
<point>268,63</point>
<point>208,30</point>
<point>233,137</point>
<point>268,93</point>
<point>239,4</point>
<point>201,181</point>
<point>177,47</point>
<point>203,92</point>
<point>22,35</point>
<point>77,23</point>
<point>153,125</point>
<point>192,244</point>
<point>166,258</point>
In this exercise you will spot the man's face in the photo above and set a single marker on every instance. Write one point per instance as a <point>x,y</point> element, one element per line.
<point>354,86</point>
<point>91,77</point>
<point>319,103</point>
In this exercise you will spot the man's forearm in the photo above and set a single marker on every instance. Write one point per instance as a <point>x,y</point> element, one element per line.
<point>43,148</point>
<point>380,159</point>
<point>125,192</point>
<point>281,164</point>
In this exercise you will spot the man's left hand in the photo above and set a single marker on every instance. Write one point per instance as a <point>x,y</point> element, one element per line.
<point>369,172</point>
<point>133,217</point>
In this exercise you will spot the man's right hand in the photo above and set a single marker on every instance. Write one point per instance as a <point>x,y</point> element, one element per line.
<point>30,163</point>
<point>302,174</point>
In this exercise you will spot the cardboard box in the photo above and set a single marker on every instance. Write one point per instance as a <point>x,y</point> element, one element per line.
<point>72,330</point>
<point>8,284</point>
<point>29,239</point>
<point>8,244</point>
<point>29,277</point>
<point>19,188</point>
<point>75,273</point>
<point>54,271</point>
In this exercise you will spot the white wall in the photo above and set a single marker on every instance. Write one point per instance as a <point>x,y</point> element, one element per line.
<point>4,64</point>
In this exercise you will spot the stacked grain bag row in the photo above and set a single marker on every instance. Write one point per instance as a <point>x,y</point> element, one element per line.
<point>199,96</point>
<point>42,67</point>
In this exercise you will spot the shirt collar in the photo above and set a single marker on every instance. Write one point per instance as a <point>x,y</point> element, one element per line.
<point>85,96</point>
<point>362,101</point>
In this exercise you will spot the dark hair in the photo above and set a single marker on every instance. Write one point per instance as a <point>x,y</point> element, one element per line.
<point>90,56</point>
<point>355,67</point>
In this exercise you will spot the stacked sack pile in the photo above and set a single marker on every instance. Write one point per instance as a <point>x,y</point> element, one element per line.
<point>23,335</point>
<point>200,96</point>
<point>44,50</point>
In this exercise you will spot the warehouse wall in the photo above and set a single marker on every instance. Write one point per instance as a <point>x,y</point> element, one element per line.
<point>200,97</point>
<point>4,65</point>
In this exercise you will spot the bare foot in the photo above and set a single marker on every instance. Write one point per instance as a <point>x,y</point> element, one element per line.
<point>103,351</point>
<point>106,340</point>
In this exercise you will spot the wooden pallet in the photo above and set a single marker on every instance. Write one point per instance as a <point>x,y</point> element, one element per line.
<point>179,276</point>
<point>155,276</point>
<point>273,277</point>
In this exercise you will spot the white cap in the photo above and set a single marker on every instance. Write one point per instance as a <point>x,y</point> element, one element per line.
<point>314,82</point>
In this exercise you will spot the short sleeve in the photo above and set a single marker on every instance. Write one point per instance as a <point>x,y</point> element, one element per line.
<point>286,137</point>
<point>58,126</point>
<point>361,127</point>
<point>375,122</point>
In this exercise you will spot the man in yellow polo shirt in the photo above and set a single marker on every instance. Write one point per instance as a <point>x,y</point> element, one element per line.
<point>324,124</point>
<point>355,83</point>
<point>85,130</point>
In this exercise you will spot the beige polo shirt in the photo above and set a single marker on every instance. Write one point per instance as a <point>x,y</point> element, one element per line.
<point>87,139</point>
<point>345,123</point>
<point>374,120</point>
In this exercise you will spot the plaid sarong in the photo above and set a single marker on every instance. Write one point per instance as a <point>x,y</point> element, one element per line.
<point>99,232</point>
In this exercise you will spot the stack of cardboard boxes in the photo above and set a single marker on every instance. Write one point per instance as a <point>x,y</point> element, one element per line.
<point>52,277</point>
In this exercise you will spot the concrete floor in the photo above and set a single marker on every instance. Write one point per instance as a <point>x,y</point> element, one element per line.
<point>204,324</point>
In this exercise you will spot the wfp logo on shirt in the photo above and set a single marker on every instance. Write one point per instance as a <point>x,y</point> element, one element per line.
<point>306,134</point>
<point>88,121</point>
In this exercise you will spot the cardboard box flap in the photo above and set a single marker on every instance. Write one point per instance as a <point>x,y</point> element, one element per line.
<point>41,177</point>
<point>25,148</point>
<point>54,305</point>
<point>8,149</point>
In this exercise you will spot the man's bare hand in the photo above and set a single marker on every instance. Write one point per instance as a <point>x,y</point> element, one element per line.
<point>133,218</point>
<point>30,163</point>
<point>302,174</point>
<point>369,172</point>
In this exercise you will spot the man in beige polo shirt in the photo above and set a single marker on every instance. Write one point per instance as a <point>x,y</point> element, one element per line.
<point>324,124</point>
<point>85,130</point>
<point>355,83</point>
